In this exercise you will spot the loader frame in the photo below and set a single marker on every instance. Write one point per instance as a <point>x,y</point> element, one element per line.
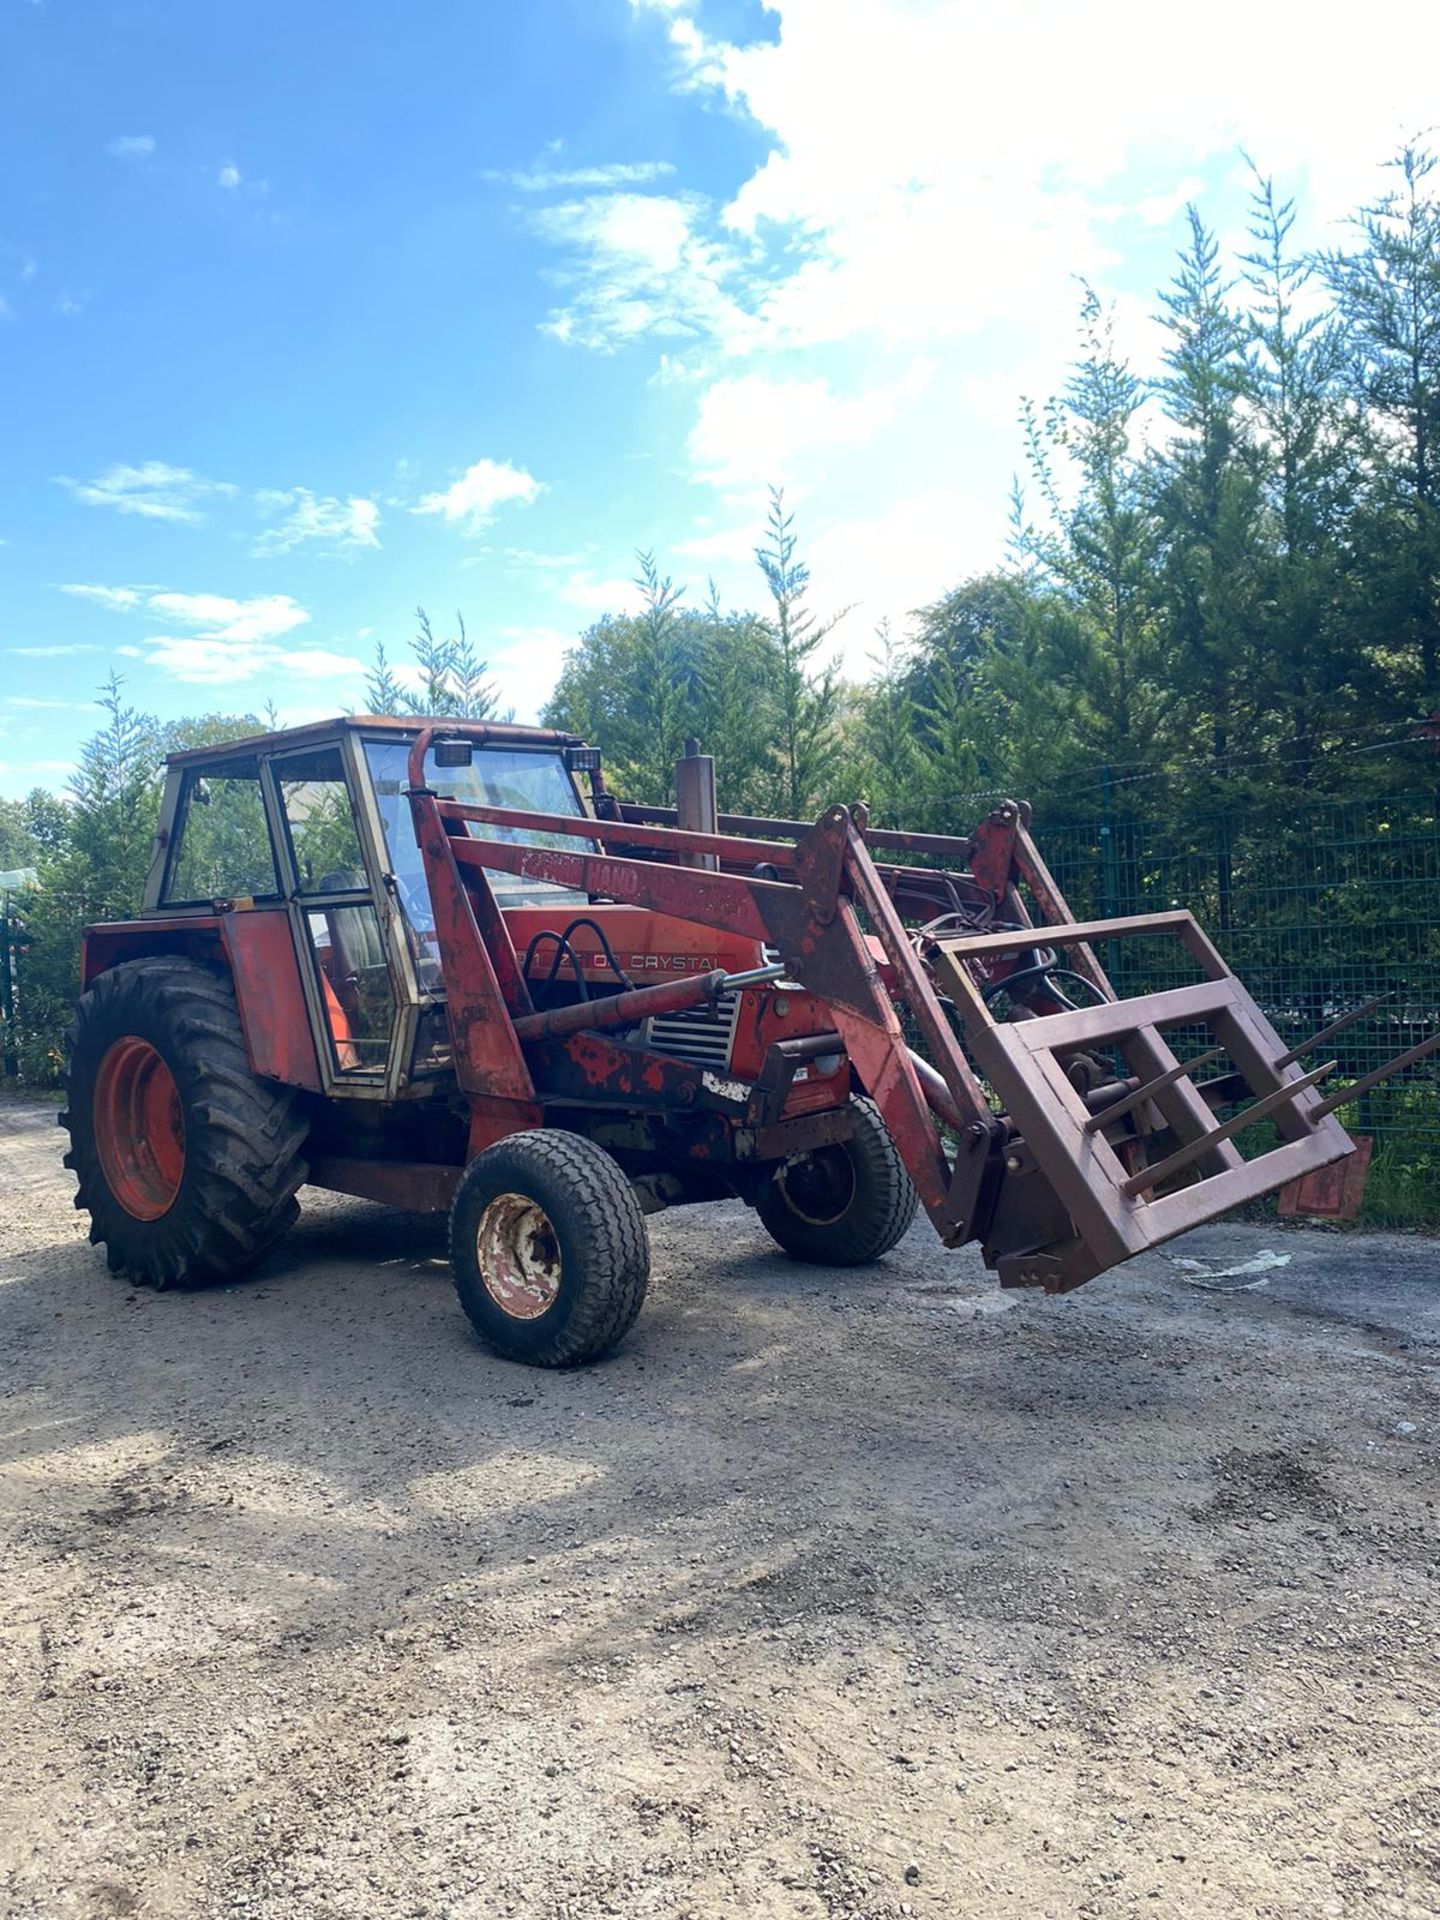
<point>1055,1185</point>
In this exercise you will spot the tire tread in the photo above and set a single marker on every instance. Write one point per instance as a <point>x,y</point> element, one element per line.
<point>887,1193</point>
<point>613,1247</point>
<point>244,1135</point>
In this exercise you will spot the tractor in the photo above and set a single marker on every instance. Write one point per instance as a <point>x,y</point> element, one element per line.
<point>442,967</point>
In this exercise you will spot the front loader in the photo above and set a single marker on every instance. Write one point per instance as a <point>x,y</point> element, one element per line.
<point>443,967</point>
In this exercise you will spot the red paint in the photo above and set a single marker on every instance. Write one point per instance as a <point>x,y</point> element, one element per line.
<point>139,1128</point>
<point>669,840</point>
<point>687,893</point>
<point>260,947</point>
<point>417,1186</point>
<point>1335,1192</point>
<point>489,1064</point>
<point>623,1009</point>
<point>649,946</point>
<point>104,947</point>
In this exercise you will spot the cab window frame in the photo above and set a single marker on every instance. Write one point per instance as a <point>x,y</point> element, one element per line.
<point>303,889</point>
<point>240,767</point>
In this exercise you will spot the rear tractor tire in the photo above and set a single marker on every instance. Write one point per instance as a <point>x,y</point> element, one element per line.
<point>842,1205</point>
<point>186,1161</point>
<point>549,1249</point>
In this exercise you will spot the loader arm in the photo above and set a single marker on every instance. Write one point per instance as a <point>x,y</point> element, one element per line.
<point>1057,1182</point>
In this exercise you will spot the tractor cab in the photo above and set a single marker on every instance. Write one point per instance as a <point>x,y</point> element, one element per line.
<point>314,823</point>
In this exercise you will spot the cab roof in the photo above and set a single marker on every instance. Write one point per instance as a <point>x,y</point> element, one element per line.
<point>495,732</point>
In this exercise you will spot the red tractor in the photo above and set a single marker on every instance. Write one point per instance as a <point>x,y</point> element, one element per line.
<point>442,967</point>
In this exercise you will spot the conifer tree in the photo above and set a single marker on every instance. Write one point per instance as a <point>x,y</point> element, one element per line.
<point>452,685</point>
<point>1097,548</point>
<point>808,691</point>
<point>1305,454</point>
<point>1388,295</point>
<point>1208,508</point>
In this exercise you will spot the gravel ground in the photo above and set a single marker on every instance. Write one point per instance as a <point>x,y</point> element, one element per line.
<point>832,1594</point>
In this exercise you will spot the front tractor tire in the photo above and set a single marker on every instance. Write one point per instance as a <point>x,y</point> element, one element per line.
<point>843,1205</point>
<point>186,1161</point>
<point>549,1249</point>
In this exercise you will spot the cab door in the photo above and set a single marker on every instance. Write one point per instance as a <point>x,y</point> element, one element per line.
<point>340,935</point>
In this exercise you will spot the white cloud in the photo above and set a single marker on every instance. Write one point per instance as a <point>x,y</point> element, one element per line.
<point>749,430</point>
<point>204,661</point>
<point>24,771</point>
<point>26,701</point>
<point>223,641</point>
<point>531,560</point>
<point>620,173</point>
<point>131,146</point>
<point>7,312</point>
<point>729,546</point>
<point>115,598</point>
<point>228,177</point>
<point>526,665</point>
<point>235,622</point>
<point>153,490</point>
<point>965,180</point>
<point>54,653</point>
<point>327,525</point>
<point>595,594</point>
<point>885,564</point>
<point>471,502</point>
<point>638,266</point>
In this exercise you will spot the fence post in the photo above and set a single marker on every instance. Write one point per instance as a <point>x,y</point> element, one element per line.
<point>11,1059</point>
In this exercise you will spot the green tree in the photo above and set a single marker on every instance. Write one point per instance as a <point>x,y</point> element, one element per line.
<point>736,716</point>
<point>1096,551</point>
<point>95,853</point>
<point>807,692</point>
<point>1208,505</point>
<point>888,761</point>
<point>18,844</point>
<point>1306,454</point>
<point>638,685</point>
<point>1387,292</point>
<point>47,820</point>
<point>452,686</point>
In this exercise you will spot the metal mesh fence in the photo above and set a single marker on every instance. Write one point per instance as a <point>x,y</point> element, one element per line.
<point>1318,909</point>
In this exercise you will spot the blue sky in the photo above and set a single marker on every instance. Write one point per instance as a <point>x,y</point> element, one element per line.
<point>311,313</point>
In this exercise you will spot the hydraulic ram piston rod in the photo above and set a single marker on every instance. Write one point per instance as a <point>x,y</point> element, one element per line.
<point>640,1003</point>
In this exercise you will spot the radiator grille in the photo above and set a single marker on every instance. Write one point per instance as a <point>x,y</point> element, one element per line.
<point>702,1034</point>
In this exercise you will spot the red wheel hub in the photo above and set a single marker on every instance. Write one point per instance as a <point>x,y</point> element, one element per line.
<point>139,1128</point>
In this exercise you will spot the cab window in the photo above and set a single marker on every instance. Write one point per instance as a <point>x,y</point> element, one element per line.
<point>321,820</point>
<point>354,981</point>
<point>495,777</point>
<point>221,845</point>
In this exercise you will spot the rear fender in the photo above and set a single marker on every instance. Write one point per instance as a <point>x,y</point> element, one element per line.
<point>102,947</point>
<point>256,947</point>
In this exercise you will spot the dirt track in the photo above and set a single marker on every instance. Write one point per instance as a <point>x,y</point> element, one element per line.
<point>830,1595</point>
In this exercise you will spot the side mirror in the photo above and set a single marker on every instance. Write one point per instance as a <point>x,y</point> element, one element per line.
<point>453,753</point>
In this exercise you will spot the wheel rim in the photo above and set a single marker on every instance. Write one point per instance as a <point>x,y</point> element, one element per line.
<point>519,1256</point>
<point>819,1187</point>
<point>139,1128</point>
